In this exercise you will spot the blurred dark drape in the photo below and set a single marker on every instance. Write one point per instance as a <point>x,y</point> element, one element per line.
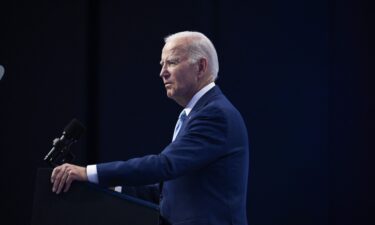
<point>298,71</point>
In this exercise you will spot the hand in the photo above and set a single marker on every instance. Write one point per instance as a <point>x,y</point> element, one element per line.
<point>63,176</point>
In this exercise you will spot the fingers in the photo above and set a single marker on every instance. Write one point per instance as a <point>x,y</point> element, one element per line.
<point>63,176</point>
<point>58,174</point>
<point>71,177</point>
<point>59,186</point>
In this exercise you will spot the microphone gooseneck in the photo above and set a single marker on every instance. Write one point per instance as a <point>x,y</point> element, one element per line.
<point>60,152</point>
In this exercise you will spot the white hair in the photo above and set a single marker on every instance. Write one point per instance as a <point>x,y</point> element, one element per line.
<point>201,47</point>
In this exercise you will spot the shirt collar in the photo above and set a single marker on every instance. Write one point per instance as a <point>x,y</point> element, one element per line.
<point>197,96</point>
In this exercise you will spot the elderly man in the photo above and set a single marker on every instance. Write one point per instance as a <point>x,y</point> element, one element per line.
<point>204,170</point>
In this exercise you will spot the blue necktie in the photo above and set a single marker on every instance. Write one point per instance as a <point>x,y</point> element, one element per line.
<point>179,123</point>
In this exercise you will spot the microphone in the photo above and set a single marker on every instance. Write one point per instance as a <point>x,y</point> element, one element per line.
<point>60,152</point>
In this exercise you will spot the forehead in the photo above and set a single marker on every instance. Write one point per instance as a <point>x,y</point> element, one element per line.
<point>174,48</point>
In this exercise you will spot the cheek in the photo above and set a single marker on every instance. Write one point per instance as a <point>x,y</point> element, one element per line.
<point>180,79</point>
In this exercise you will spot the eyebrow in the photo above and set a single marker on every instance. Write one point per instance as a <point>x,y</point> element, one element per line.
<point>176,58</point>
<point>175,54</point>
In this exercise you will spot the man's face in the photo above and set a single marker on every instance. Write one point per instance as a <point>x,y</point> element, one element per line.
<point>178,73</point>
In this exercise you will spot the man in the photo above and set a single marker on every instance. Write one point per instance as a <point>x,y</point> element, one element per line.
<point>204,170</point>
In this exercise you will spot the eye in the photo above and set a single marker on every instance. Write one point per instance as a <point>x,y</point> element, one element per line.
<point>172,62</point>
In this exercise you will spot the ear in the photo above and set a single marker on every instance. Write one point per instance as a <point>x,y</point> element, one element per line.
<point>202,66</point>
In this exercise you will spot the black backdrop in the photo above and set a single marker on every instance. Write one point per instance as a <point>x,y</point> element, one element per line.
<point>299,72</point>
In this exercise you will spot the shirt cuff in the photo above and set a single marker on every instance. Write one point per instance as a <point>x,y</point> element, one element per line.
<point>92,174</point>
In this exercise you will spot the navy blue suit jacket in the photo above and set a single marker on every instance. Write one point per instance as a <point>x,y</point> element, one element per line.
<point>205,170</point>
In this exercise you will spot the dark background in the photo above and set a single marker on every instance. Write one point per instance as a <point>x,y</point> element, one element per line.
<point>299,72</point>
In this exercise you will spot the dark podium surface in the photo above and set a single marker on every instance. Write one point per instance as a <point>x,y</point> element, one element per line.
<point>88,204</point>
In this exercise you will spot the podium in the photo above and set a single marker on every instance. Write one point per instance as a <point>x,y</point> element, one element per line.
<point>88,204</point>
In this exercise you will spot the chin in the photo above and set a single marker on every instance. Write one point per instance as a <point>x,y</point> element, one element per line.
<point>169,94</point>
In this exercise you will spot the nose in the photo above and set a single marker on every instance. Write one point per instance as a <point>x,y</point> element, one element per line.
<point>164,71</point>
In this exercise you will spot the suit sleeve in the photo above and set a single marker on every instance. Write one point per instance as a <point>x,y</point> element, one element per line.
<point>203,141</point>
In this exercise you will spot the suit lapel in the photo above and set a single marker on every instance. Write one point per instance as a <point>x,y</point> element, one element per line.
<point>200,104</point>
